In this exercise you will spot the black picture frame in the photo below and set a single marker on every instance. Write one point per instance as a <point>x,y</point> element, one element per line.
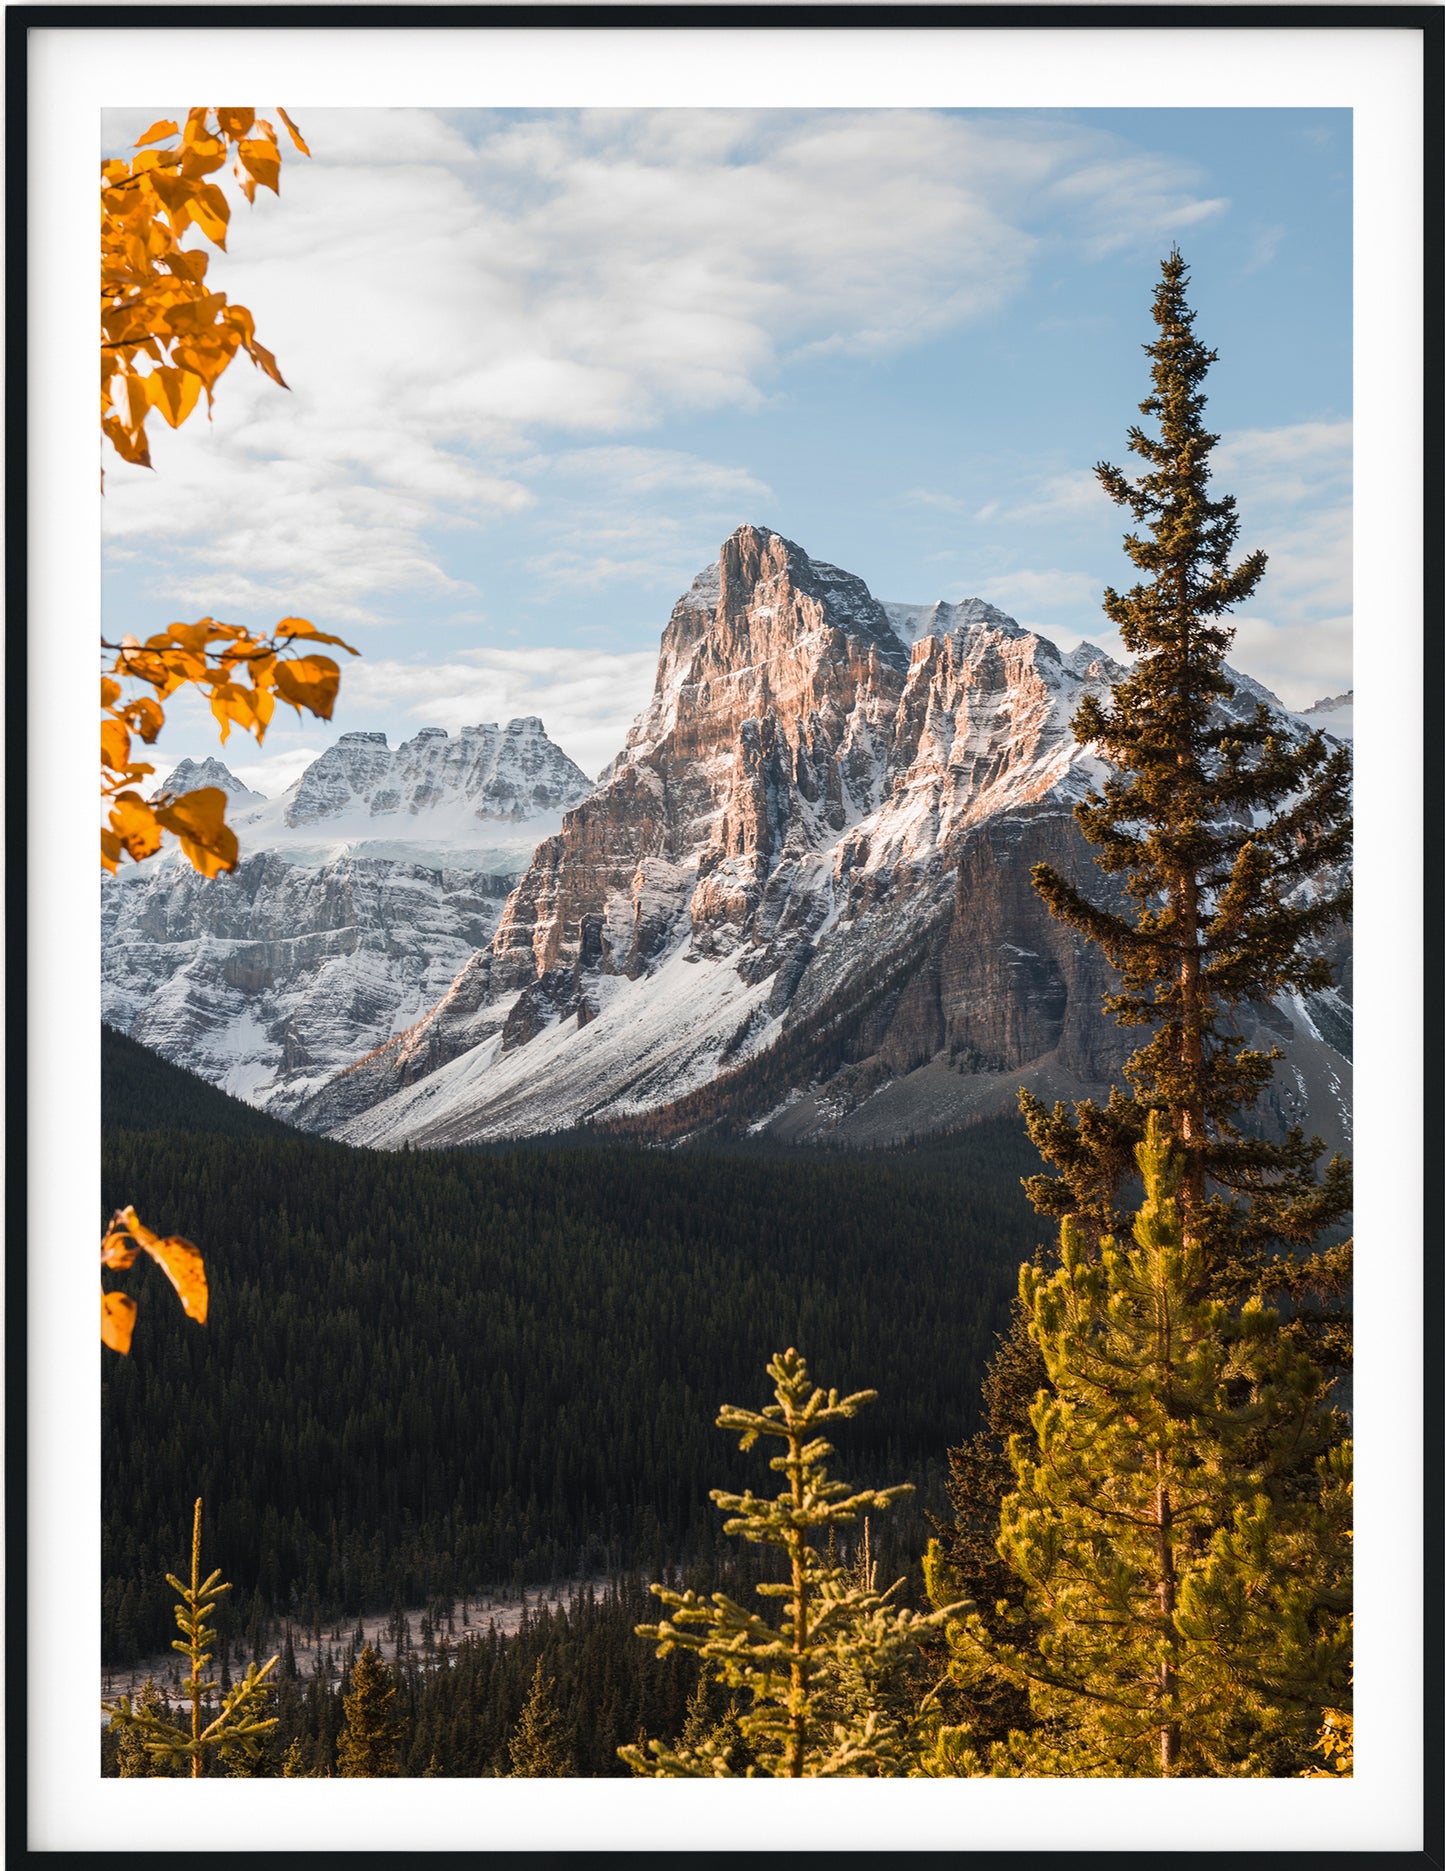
<point>27,827</point>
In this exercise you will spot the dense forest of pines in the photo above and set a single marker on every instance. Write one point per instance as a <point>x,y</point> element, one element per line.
<point>430,1372</point>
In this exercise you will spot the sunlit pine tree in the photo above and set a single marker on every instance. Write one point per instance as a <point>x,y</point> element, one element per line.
<point>239,1729</point>
<point>832,1688</point>
<point>537,1745</point>
<point>369,1747</point>
<point>1189,1601</point>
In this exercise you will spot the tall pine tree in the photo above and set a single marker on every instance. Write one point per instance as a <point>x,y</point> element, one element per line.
<point>1231,836</point>
<point>1188,1601</point>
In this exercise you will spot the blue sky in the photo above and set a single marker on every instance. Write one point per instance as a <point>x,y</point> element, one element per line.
<point>542,363</point>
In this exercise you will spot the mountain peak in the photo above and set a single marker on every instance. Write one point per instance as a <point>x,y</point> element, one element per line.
<point>913,622</point>
<point>1335,714</point>
<point>191,775</point>
<point>486,771</point>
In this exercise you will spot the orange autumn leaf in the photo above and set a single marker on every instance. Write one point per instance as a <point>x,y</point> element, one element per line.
<point>296,136</point>
<point>230,701</point>
<point>173,392</point>
<point>144,716</point>
<point>179,1259</point>
<point>117,1321</point>
<point>156,132</point>
<point>135,827</point>
<point>264,361</point>
<point>118,1251</point>
<point>309,682</point>
<point>298,627</point>
<point>114,743</point>
<point>235,120</point>
<point>263,160</point>
<point>198,820</point>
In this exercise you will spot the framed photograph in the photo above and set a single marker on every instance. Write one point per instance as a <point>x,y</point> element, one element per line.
<point>608,519</point>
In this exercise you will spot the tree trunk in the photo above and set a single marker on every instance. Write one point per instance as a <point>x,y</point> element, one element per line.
<point>1169,1726</point>
<point>797,1719</point>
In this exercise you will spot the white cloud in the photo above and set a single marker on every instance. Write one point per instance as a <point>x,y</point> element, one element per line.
<point>272,773</point>
<point>457,299</point>
<point>1272,469</point>
<point>587,699</point>
<point>1021,592</point>
<point>1301,661</point>
<point>636,514</point>
<point>1263,247</point>
<point>1131,200</point>
<point>1062,497</point>
<point>1293,485</point>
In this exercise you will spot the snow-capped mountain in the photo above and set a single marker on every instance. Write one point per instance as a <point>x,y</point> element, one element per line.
<point>799,898</point>
<point>1335,714</point>
<point>361,891</point>
<point>191,775</point>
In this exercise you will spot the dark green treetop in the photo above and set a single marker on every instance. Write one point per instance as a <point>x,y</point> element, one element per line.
<point>1230,833</point>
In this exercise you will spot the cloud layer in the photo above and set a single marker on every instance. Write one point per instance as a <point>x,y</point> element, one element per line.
<point>481,316</point>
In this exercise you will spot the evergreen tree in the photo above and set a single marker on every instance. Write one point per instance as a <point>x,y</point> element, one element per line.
<point>1190,1598</point>
<point>239,1730</point>
<point>370,1744</point>
<point>134,1761</point>
<point>264,1763</point>
<point>537,1747</point>
<point>832,1686</point>
<point>1231,836</point>
<point>293,1763</point>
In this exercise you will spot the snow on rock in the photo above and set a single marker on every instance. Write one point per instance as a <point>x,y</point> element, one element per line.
<point>790,823</point>
<point>675,1027</point>
<point>818,834</point>
<point>1335,714</point>
<point>191,775</point>
<point>361,893</point>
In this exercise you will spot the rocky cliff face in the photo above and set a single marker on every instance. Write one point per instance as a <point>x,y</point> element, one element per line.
<point>361,893</point>
<point>799,899</point>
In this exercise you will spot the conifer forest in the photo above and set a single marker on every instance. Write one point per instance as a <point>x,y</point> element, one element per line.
<point>664,1449</point>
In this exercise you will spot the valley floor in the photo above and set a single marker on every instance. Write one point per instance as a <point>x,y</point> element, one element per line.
<point>501,1611</point>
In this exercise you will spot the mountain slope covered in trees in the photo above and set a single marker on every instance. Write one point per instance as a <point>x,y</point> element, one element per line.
<point>427,1371</point>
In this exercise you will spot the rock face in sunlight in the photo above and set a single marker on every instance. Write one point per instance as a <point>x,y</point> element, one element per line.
<point>361,891</point>
<point>799,899</point>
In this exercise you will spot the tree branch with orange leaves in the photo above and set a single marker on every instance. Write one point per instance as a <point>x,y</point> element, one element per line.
<point>165,339</point>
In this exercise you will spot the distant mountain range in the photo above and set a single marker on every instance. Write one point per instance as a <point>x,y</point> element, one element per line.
<point>360,893</point>
<point>796,903</point>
